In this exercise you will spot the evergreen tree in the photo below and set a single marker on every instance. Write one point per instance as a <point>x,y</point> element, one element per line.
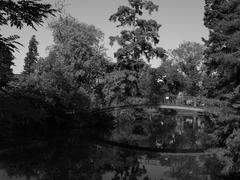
<point>222,18</point>
<point>31,57</point>
<point>137,43</point>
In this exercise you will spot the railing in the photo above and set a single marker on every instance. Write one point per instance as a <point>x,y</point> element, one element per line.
<point>191,101</point>
<point>172,100</point>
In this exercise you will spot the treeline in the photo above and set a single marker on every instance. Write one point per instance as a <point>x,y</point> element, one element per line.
<point>77,76</point>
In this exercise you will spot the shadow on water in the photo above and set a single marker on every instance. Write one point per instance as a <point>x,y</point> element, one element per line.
<point>163,129</point>
<point>71,159</point>
<point>68,148</point>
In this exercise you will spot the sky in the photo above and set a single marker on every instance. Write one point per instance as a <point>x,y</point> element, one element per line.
<point>181,20</point>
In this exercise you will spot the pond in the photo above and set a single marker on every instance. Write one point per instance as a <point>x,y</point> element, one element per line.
<point>66,159</point>
<point>160,146</point>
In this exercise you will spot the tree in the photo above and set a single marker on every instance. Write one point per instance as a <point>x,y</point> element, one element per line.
<point>18,13</point>
<point>168,79</point>
<point>222,18</point>
<point>189,58</point>
<point>6,73</point>
<point>75,65</point>
<point>31,57</point>
<point>138,42</point>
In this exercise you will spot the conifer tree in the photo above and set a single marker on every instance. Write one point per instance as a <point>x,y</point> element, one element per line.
<point>31,57</point>
<point>222,18</point>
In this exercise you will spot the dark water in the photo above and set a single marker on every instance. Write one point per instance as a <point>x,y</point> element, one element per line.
<point>70,160</point>
<point>167,130</point>
<point>77,158</point>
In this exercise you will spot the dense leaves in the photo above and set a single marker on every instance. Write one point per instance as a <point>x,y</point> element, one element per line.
<point>6,73</point>
<point>189,59</point>
<point>223,20</point>
<point>167,79</point>
<point>222,60</point>
<point>159,82</point>
<point>75,65</point>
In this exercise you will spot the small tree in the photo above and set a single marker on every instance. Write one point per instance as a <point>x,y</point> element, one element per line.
<point>31,57</point>
<point>137,42</point>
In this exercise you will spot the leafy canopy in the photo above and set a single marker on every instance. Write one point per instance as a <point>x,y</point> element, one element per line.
<point>189,57</point>
<point>69,75</point>
<point>143,36</point>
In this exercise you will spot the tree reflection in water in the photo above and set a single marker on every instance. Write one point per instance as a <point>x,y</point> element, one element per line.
<point>166,129</point>
<point>69,159</point>
<point>72,156</point>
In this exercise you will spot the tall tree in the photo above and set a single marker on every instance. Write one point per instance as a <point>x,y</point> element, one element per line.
<point>137,42</point>
<point>222,18</point>
<point>18,13</point>
<point>31,57</point>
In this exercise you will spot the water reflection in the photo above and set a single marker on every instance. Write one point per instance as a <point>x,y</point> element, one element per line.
<point>68,160</point>
<point>72,155</point>
<point>163,129</point>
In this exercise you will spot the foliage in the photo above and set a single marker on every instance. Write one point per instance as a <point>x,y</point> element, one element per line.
<point>6,73</point>
<point>17,14</point>
<point>222,54</point>
<point>157,82</point>
<point>31,58</point>
<point>189,59</point>
<point>20,13</point>
<point>229,156</point>
<point>136,42</point>
<point>76,63</point>
<point>223,67</point>
<point>226,137</point>
<point>56,94</point>
<point>167,79</point>
<point>77,45</point>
